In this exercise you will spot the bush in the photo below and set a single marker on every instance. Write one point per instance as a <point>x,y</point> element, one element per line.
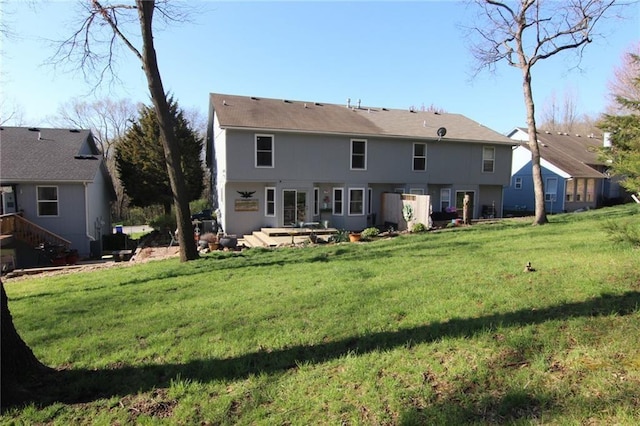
<point>418,227</point>
<point>199,205</point>
<point>164,222</point>
<point>623,232</point>
<point>370,233</point>
<point>340,237</point>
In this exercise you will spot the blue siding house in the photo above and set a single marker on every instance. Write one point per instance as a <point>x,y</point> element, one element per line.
<point>574,178</point>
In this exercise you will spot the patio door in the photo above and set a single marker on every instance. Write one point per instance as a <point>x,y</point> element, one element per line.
<point>294,206</point>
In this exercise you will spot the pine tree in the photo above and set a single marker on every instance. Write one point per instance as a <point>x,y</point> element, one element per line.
<point>142,166</point>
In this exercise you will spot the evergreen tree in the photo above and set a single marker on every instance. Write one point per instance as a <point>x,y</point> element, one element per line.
<point>141,163</point>
<point>624,153</point>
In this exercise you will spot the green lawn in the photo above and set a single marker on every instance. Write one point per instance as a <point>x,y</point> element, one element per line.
<point>433,328</point>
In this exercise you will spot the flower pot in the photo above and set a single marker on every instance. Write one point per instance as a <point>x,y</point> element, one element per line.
<point>354,236</point>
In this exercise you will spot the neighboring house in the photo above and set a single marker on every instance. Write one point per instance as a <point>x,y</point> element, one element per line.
<point>573,176</point>
<point>55,188</point>
<point>280,162</point>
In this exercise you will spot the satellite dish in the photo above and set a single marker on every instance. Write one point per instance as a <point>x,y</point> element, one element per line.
<point>441,132</point>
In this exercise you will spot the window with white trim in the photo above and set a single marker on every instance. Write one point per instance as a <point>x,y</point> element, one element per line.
<point>316,201</point>
<point>270,201</point>
<point>445,199</point>
<point>488,159</point>
<point>358,154</point>
<point>419,157</point>
<point>264,150</point>
<point>47,199</point>
<point>517,183</point>
<point>338,200</point>
<point>551,189</point>
<point>356,201</point>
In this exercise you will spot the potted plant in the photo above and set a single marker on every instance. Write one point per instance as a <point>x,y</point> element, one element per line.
<point>354,236</point>
<point>211,239</point>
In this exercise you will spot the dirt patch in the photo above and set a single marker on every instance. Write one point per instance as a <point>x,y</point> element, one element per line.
<point>140,255</point>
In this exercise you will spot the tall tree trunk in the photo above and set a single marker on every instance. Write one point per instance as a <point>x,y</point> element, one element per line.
<point>18,363</point>
<point>536,170</point>
<point>188,250</point>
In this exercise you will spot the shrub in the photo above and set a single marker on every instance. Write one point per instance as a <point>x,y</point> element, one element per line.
<point>419,227</point>
<point>209,237</point>
<point>623,232</point>
<point>340,237</point>
<point>370,233</point>
<point>164,222</point>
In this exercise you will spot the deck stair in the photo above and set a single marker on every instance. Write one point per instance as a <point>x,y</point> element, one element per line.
<point>15,226</point>
<point>274,237</point>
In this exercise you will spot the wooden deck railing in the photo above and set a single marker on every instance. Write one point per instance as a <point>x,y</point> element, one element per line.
<point>24,230</point>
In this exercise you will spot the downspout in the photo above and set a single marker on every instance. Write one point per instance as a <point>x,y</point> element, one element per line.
<point>86,212</point>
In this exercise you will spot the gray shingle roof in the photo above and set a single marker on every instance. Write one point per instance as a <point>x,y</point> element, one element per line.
<point>299,116</point>
<point>575,154</point>
<point>47,155</point>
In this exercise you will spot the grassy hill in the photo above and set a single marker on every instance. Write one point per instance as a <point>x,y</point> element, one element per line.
<point>435,328</point>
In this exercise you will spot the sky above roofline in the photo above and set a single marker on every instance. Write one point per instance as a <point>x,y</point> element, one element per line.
<point>386,54</point>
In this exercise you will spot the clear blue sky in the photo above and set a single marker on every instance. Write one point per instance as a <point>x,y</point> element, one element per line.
<point>388,54</point>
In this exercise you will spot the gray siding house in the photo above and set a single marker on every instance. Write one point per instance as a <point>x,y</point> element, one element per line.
<point>280,162</point>
<point>55,179</point>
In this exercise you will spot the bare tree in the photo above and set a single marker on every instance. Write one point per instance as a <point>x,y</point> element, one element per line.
<point>524,32</point>
<point>623,83</point>
<point>107,119</point>
<point>564,117</point>
<point>11,113</point>
<point>107,25</point>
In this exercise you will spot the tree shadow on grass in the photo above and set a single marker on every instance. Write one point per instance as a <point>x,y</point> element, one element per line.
<point>82,385</point>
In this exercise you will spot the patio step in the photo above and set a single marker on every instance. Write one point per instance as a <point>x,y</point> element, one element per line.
<point>274,237</point>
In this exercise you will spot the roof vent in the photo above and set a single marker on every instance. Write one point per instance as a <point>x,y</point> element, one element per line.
<point>317,104</point>
<point>224,102</point>
<point>286,101</point>
<point>385,109</point>
<point>305,105</point>
<point>34,129</point>
<point>253,98</point>
<point>85,157</point>
<point>74,130</point>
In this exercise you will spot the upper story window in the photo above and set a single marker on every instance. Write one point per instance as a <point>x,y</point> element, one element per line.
<point>264,150</point>
<point>517,183</point>
<point>358,154</point>
<point>47,200</point>
<point>419,157</point>
<point>488,159</point>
